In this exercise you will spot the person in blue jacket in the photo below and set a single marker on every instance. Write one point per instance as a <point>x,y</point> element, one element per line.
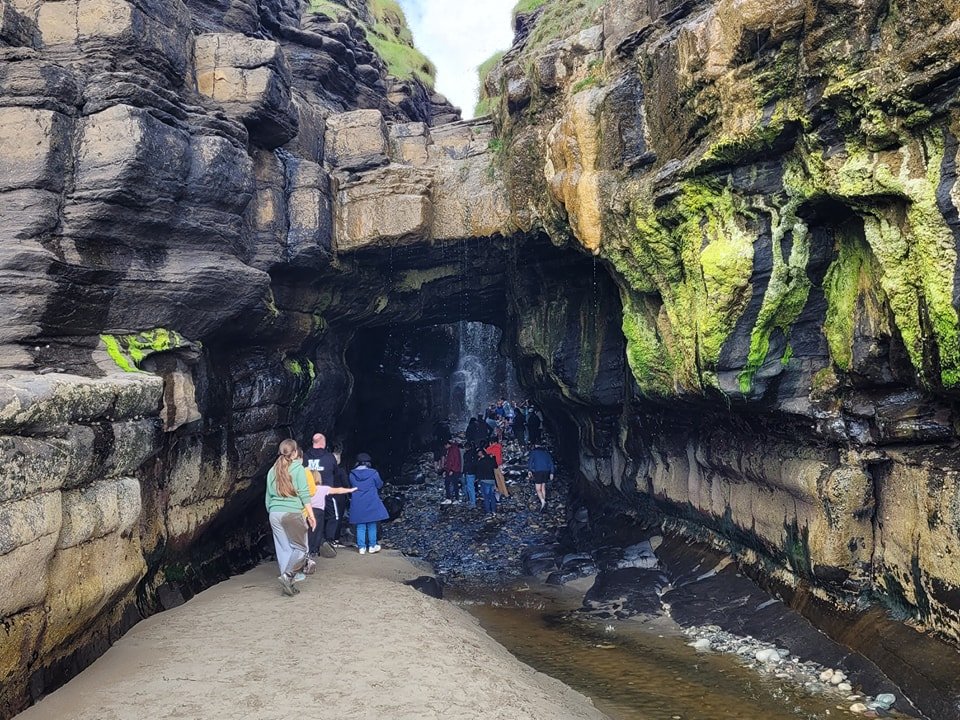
<point>541,469</point>
<point>366,507</point>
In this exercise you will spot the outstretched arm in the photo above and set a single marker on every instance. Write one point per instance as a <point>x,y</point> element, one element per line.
<point>341,491</point>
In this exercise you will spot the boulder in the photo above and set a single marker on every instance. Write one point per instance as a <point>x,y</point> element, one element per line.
<point>386,207</point>
<point>251,80</point>
<point>356,140</point>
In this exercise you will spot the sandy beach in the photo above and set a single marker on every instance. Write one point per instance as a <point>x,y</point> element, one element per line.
<point>356,643</point>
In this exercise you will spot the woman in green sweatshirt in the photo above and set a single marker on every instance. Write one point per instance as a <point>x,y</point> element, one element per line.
<point>287,499</point>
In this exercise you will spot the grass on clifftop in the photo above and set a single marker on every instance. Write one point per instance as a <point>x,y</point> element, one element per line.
<point>528,6</point>
<point>559,19</point>
<point>390,37</point>
<point>485,103</point>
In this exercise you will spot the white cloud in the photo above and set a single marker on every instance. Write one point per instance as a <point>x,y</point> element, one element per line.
<point>458,35</point>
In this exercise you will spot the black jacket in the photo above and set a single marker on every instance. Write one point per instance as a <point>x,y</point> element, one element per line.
<point>477,432</point>
<point>485,467</point>
<point>322,461</point>
<point>470,462</point>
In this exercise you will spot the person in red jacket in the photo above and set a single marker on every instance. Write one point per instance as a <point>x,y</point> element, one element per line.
<point>452,466</point>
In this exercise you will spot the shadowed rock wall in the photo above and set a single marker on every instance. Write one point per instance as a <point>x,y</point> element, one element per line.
<point>165,260</point>
<point>721,238</point>
<point>773,189</point>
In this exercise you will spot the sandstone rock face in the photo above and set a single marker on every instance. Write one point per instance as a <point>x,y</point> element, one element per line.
<point>781,225</point>
<point>162,161</point>
<point>251,80</point>
<point>439,186</point>
<point>69,506</point>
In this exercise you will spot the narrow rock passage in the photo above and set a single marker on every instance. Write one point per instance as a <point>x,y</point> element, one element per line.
<point>356,643</point>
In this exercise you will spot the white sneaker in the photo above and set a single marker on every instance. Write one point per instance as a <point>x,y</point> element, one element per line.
<point>375,549</point>
<point>299,577</point>
<point>362,551</point>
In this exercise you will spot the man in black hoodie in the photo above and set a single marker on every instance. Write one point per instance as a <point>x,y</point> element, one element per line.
<point>486,467</point>
<point>321,461</point>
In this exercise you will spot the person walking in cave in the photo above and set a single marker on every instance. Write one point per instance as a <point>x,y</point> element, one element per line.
<point>325,495</point>
<point>486,475</point>
<point>534,428</point>
<point>520,427</point>
<point>287,498</point>
<point>540,469</point>
<point>366,507</point>
<point>322,463</point>
<point>451,468</point>
<point>470,474</point>
<point>477,432</point>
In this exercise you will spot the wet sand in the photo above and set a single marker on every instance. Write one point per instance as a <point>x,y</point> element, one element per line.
<point>356,643</point>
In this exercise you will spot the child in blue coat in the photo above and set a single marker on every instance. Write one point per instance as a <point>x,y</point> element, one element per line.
<point>366,507</point>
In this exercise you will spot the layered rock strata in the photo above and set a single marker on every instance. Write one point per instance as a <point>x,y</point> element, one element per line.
<point>773,189</point>
<point>721,238</point>
<point>161,162</point>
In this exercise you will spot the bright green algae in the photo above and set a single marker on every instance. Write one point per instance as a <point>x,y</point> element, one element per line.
<point>128,351</point>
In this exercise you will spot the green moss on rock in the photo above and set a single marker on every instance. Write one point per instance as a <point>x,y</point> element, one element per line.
<point>128,351</point>
<point>849,276</point>
<point>390,36</point>
<point>696,253</point>
<point>896,194</point>
<point>787,289</point>
<point>646,355</point>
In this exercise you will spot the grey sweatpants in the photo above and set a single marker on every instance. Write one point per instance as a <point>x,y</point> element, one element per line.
<point>290,539</point>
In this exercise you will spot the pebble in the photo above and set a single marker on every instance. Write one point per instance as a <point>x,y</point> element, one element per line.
<point>844,687</point>
<point>885,700</point>
<point>701,644</point>
<point>767,656</point>
<point>858,708</point>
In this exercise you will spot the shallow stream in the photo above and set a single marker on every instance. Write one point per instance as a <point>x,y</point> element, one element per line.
<point>636,669</point>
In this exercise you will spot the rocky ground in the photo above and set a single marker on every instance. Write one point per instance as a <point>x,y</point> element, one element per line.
<point>702,594</point>
<point>464,546</point>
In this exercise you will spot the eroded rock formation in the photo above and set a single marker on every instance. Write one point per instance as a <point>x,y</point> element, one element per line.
<point>720,237</point>
<point>773,189</point>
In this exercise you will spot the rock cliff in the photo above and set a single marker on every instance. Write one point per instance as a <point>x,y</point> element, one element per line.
<point>772,188</point>
<point>720,237</point>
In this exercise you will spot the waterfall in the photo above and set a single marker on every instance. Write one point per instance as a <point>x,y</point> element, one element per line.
<point>482,374</point>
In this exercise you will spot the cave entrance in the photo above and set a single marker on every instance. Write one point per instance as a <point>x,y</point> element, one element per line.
<point>412,385</point>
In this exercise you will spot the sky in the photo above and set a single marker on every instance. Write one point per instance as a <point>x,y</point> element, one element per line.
<point>458,35</point>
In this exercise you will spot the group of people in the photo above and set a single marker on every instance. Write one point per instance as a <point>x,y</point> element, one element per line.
<point>310,496</point>
<point>477,457</point>
<point>520,421</point>
<point>307,505</point>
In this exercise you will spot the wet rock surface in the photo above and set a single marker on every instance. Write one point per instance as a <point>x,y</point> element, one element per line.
<point>642,576</point>
<point>464,546</point>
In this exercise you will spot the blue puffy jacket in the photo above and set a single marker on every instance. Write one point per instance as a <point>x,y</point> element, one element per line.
<point>365,504</point>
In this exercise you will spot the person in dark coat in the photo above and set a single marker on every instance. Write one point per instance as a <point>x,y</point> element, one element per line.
<point>321,462</point>
<point>486,469</point>
<point>520,426</point>
<point>451,467</point>
<point>477,432</point>
<point>534,431</point>
<point>366,507</point>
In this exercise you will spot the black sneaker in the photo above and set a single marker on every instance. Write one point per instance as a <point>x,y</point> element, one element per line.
<point>327,551</point>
